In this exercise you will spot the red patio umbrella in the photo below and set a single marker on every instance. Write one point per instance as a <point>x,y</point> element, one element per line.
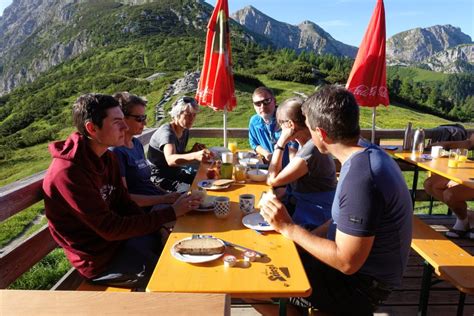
<point>216,85</point>
<point>367,80</point>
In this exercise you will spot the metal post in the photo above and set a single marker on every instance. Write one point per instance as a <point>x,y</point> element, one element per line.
<point>225,126</point>
<point>425,289</point>
<point>373,124</point>
<point>282,302</point>
<point>415,184</point>
<point>462,298</point>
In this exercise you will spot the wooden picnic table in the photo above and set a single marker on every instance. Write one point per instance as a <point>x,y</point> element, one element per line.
<point>278,275</point>
<point>463,174</point>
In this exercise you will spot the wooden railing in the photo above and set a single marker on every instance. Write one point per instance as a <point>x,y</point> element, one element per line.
<point>21,194</point>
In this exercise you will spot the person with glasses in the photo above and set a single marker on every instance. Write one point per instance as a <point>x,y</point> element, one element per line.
<point>355,259</point>
<point>263,128</point>
<point>310,176</point>
<point>134,168</point>
<point>172,165</point>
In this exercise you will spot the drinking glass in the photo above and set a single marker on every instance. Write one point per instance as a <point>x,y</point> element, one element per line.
<point>453,158</point>
<point>240,173</point>
<point>462,155</point>
<point>232,147</point>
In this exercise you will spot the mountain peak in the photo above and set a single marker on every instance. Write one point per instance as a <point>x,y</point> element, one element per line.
<point>418,44</point>
<point>307,36</point>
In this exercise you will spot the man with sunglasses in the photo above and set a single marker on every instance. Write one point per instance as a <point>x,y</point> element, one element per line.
<point>355,259</point>
<point>264,130</point>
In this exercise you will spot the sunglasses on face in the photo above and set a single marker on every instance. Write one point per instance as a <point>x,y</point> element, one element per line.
<point>138,118</point>
<point>190,100</point>
<point>264,102</point>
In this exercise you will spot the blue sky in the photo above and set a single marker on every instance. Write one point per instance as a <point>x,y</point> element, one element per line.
<point>346,20</point>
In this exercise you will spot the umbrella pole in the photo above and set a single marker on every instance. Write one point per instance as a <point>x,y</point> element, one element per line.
<point>225,125</point>
<point>373,124</point>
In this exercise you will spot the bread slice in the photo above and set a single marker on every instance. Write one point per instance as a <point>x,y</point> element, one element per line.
<point>200,246</point>
<point>265,197</point>
<point>222,182</point>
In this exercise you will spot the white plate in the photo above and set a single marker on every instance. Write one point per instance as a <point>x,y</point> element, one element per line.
<point>208,185</point>
<point>194,258</point>
<point>249,162</point>
<point>255,221</point>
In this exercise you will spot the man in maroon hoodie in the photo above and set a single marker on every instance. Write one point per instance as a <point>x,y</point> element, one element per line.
<point>105,235</point>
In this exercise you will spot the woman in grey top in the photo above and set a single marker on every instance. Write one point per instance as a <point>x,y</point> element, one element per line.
<point>310,176</point>
<point>167,150</point>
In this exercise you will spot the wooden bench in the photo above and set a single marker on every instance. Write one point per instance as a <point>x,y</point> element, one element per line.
<point>443,258</point>
<point>17,302</point>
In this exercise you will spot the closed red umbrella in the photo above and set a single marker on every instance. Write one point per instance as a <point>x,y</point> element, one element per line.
<point>216,85</point>
<point>367,80</point>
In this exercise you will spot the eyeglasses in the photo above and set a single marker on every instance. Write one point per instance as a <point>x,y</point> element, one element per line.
<point>138,118</point>
<point>265,102</point>
<point>190,100</point>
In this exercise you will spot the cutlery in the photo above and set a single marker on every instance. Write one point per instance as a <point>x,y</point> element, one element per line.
<point>229,244</point>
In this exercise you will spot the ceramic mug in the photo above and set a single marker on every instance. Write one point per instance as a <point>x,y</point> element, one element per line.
<point>436,151</point>
<point>246,203</point>
<point>222,206</point>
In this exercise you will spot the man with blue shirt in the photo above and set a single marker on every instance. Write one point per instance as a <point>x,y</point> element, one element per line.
<point>263,127</point>
<point>356,258</point>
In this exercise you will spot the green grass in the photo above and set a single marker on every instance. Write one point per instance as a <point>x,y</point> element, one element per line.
<point>44,274</point>
<point>396,116</point>
<point>418,74</point>
<point>19,223</point>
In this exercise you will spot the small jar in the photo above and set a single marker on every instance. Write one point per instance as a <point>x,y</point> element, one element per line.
<point>250,256</point>
<point>229,261</point>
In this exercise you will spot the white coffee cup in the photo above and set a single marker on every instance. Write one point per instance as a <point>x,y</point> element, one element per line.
<point>227,157</point>
<point>246,203</point>
<point>436,151</point>
<point>222,206</point>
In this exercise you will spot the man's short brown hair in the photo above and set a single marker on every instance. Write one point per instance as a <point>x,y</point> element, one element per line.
<point>335,110</point>
<point>91,107</point>
<point>263,90</point>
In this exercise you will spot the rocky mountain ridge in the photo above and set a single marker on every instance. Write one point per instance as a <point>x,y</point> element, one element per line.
<point>307,36</point>
<point>453,60</point>
<point>439,48</point>
<point>36,35</point>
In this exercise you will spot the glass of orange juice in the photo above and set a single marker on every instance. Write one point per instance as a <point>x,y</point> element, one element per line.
<point>453,159</point>
<point>462,157</point>
<point>232,147</point>
<point>240,173</point>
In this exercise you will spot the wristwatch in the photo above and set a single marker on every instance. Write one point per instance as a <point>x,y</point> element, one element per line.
<point>276,147</point>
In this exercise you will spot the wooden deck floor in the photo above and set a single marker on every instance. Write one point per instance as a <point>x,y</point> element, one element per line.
<point>404,301</point>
